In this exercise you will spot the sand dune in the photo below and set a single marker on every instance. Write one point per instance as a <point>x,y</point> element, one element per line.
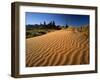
<point>63,47</point>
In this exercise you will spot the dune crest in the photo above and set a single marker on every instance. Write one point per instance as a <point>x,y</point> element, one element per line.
<point>62,47</point>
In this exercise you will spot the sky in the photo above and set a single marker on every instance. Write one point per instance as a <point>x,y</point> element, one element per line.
<point>60,19</point>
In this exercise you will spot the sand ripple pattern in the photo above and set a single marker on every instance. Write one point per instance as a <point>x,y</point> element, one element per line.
<point>57,48</point>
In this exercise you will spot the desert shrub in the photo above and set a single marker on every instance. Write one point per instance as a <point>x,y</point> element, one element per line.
<point>42,32</point>
<point>71,28</point>
<point>35,32</point>
<point>85,30</point>
<point>28,33</point>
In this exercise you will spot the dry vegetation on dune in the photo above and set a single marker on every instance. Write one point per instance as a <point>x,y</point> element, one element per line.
<point>62,47</point>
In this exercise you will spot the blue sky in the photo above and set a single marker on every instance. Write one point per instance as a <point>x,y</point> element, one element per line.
<point>60,19</point>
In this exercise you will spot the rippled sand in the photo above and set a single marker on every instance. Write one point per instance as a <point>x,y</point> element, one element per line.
<point>63,47</point>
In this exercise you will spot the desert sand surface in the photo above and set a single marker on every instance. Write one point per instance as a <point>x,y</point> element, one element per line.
<point>62,47</point>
